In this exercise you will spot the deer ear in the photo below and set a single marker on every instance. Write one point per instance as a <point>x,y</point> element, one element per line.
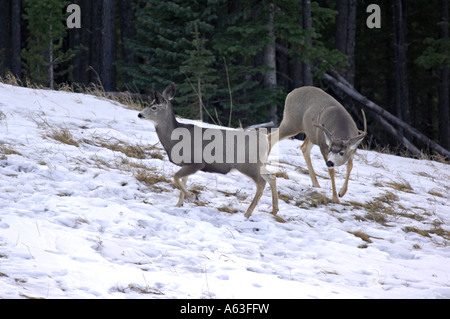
<point>326,133</point>
<point>151,95</point>
<point>160,100</point>
<point>327,139</point>
<point>169,91</point>
<point>354,142</point>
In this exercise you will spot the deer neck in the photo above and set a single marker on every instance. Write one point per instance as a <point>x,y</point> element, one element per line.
<point>165,128</point>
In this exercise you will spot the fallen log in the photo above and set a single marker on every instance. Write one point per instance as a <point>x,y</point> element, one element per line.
<point>351,91</point>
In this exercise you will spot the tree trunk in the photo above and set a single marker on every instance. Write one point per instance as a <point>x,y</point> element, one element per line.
<point>345,35</point>
<point>5,43</point>
<point>269,57</point>
<point>200,99</point>
<point>350,47</point>
<point>400,48</point>
<point>127,32</point>
<point>307,25</point>
<point>108,50</point>
<point>16,66</point>
<point>444,106</point>
<point>51,75</point>
<point>341,25</point>
<point>95,47</point>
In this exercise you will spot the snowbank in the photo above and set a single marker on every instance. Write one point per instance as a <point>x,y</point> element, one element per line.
<point>87,210</point>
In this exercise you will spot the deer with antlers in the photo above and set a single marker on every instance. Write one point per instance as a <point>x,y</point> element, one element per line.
<point>327,124</point>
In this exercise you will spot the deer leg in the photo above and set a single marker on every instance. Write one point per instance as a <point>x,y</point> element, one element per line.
<point>349,169</point>
<point>306,150</point>
<point>335,198</point>
<point>273,139</point>
<point>270,178</point>
<point>181,198</point>
<point>259,190</point>
<point>180,179</point>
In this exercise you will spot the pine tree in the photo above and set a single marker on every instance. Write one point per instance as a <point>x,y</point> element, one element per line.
<point>163,43</point>
<point>44,45</point>
<point>241,35</point>
<point>160,43</point>
<point>224,63</point>
<point>200,75</point>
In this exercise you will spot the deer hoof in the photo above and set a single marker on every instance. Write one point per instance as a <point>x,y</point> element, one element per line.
<point>335,200</point>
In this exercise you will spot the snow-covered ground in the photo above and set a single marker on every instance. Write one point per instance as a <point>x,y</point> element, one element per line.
<point>94,216</point>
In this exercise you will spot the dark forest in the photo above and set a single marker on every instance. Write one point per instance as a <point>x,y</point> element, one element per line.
<point>234,62</point>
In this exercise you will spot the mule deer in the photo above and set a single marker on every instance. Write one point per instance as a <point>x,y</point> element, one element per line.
<point>229,150</point>
<point>326,123</point>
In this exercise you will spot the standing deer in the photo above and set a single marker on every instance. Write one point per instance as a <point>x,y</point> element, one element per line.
<point>326,123</point>
<point>198,151</point>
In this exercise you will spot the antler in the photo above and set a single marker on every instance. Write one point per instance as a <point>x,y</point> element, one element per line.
<point>321,126</point>
<point>365,122</point>
<point>361,134</point>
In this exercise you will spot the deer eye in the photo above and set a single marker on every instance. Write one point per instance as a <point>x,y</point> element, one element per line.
<point>341,153</point>
<point>153,107</point>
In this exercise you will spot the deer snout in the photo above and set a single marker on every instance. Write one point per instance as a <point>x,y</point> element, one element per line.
<point>330,164</point>
<point>140,115</point>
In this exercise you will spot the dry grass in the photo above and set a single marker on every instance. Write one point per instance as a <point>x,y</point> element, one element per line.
<point>388,197</point>
<point>10,78</point>
<point>228,209</point>
<point>197,189</point>
<point>285,197</point>
<point>144,290</point>
<point>60,134</point>
<point>282,174</point>
<point>149,177</point>
<point>382,207</point>
<point>427,233</point>
<point>377,209</point>
<point>237,194</point>
<point>402,186</point>
<point>365,237</point>
<point>313,199</point>
<point>435,193</point>
<point>130,150</point>
<point>130,100</point>
<point>8,150</point>
<point>125,98</point>
<point>404,153</point>
<point>63,135</point>
<point>417,231</point>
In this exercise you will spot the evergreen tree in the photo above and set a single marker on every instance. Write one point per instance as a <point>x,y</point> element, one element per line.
<point>163,43</point>
<point>242,33</point>
<point>163,36</point>
<point>44,44</point>
<point>199,72</point>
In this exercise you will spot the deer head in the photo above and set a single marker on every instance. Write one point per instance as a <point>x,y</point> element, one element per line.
<point>160,109</point>
<point>340,150</point>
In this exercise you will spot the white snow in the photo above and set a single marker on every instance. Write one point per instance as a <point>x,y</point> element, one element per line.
<point>75,222</point>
